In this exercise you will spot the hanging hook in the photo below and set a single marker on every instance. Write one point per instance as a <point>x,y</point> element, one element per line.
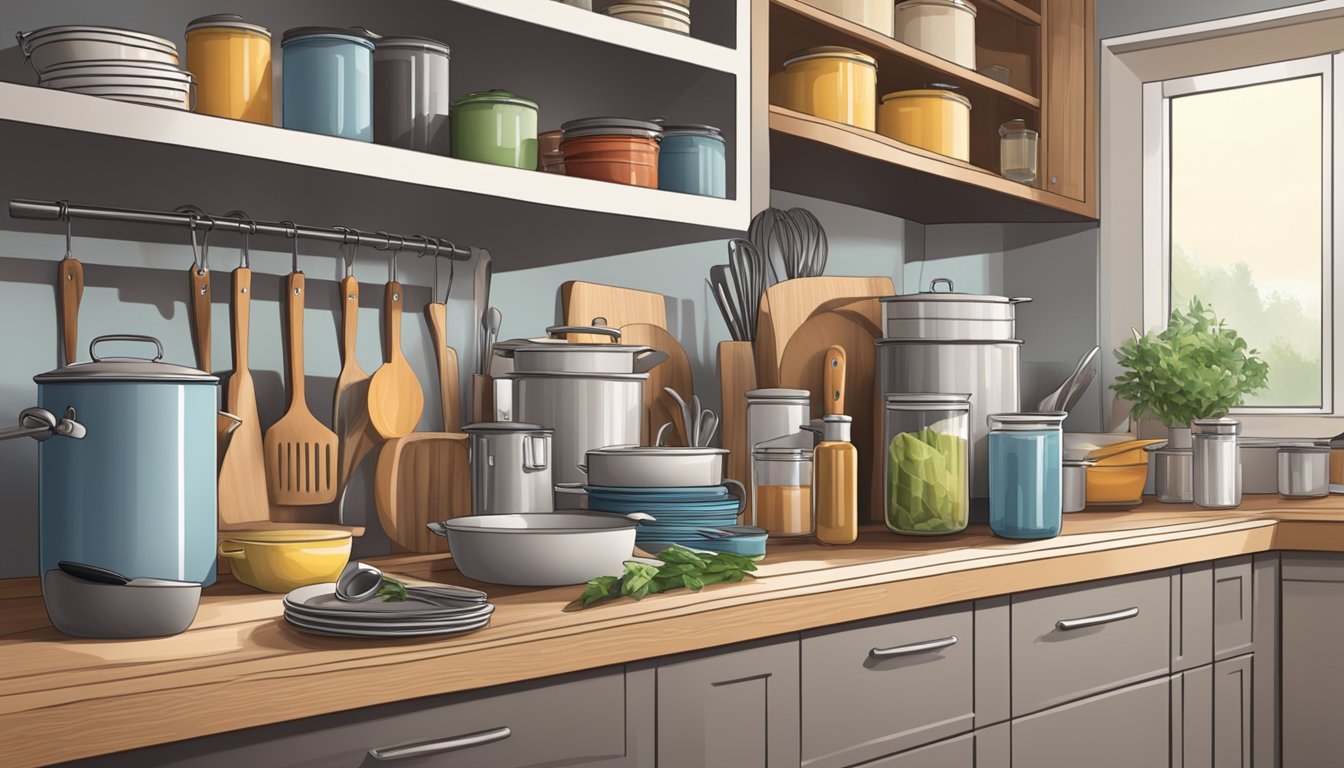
<point>452,269</point>
<point>349,250</point>
<point>203,268</point>
<point>435,255</point>
<point>293,233</point>
<point>244,253</point>
<point>64,215</point>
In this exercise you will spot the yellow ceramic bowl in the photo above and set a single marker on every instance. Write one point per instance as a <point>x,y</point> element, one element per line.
<point>279,561</point>
<point>1116,483</point>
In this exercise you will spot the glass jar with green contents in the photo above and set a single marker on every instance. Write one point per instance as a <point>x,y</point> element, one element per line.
<point>927,463</point>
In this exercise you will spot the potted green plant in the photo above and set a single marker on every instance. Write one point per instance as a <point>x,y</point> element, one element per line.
<point>1197,368</point>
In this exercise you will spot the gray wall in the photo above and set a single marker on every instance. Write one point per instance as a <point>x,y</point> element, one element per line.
<point>1126,17</point>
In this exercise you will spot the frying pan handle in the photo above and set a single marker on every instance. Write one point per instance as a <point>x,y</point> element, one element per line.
<point>557,330</point>
<point>648,359</point>
<point>158,346</point>
<point>741,494</point>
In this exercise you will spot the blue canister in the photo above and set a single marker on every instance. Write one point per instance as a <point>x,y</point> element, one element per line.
<point>1026,474</point>
<point>328,81</point>
<point>135,494</point>
<point>693,159</point>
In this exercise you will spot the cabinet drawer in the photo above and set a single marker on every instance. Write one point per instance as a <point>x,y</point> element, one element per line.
<point>987,748</point>
<point>905,682</point>
<point>1127,728</point>
<point>580,720</point>
<point>1077,641</point>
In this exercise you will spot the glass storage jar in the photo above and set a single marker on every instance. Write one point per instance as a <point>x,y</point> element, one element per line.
<point>1017,151</point>
<point>781,486</point>
<point>1026,467</point>
<point>927,462</point>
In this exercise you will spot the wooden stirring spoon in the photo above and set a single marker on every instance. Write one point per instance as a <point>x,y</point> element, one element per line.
<point>395,398</point>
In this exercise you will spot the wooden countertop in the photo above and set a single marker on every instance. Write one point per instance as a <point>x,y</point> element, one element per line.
<point>241,665</point>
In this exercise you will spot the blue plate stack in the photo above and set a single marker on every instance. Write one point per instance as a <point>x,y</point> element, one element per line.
<point>698,518</point>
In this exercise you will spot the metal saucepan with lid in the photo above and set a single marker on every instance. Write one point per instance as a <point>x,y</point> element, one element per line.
<point>544,357</point>
<point>946,314</point>
<point>630,466</point>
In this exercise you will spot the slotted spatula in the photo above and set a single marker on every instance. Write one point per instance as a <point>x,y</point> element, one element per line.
<point>301,453</point>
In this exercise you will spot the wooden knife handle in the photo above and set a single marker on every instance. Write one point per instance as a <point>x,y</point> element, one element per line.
<point>835,381</point>
<point>70,275</point>
<point>199,280</point>
<point>349,317</point>
<point>240,310</point>
<point>294,289</point>
<point>392,303</point>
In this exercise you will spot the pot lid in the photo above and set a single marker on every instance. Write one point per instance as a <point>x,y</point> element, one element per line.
<point>1304,448</point>
<point>495,96</point>
<point>1016,422</point>
<point>831,52</point>
<point>228,20</point>
<point>504,426</point>
<point>354,34</point>
<point>950,294</point>
<point>611,126</point>
<point>126,368</point>
<point>650,450</point>
<point>927,400</point>
<point>779,394</point>
<point>414,42</point>
<point>692,129</point>
<point>1219,426</point>
<point>576,375</point>
<point>959,4</point>
<point>933,90</point>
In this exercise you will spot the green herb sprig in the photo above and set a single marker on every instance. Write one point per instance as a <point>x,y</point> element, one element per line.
<point>392,590</point>
<point>681,568</point>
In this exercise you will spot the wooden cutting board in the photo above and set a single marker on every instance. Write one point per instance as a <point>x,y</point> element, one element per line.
<point>737,377</point>
<point>422,478</point>
<point>803,367</point>
<point>786,306</point>
<point>580,302</point>
<point>675,372</point>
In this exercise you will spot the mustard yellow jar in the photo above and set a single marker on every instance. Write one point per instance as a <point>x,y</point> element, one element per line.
<point>231,60</point>
<point>831,82</point>
<point>931,118</point>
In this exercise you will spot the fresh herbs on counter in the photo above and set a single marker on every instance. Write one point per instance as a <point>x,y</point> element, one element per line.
<point>681,568</point>
<point>392,590</point>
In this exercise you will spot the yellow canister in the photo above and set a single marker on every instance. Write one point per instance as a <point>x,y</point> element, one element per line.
<point>835,83</point>
<point>231,61</point>
<point>931,118</point>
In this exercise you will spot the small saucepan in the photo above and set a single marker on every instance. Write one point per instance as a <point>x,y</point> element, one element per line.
<point>540,550</point>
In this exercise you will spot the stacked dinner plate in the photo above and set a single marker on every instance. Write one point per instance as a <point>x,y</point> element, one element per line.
<point>114,63</point>
<point>426,611</point>
<point>698,518</point>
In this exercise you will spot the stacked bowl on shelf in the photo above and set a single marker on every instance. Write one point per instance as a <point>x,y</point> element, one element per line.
<point>118,64</point>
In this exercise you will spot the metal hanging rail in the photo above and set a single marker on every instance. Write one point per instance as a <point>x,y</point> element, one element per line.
<point>61,211</point>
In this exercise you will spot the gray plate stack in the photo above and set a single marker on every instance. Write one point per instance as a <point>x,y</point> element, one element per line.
<point>119,64</point>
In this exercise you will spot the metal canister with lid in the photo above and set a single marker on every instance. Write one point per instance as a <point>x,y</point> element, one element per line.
<point>328,81</point>
<point>1216,463</point>
<point>510,468</point>
<point>830,82</point>
<point>1304,471</point>
<point>496,127</point>
<point>1173,474</point>
<point>621,150</point>
<point>936,118</point>
<point>410,94</point>
<point>693,159</point>
<point>773,413</point>
<point>927,463</point>
<point>231,61</point>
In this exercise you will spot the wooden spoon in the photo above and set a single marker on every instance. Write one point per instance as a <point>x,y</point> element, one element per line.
<point>242,473</point>
<point>301,460</point>
<point>395,398</point>
<point>436,315</point>
<point>350,406</point>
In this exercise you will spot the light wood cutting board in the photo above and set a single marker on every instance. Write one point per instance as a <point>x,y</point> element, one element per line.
<point>737,377</point>
<point>803,368</point>
<point>786,306</point>
<point>422,478</point>
<point>580,302</point>
<point>675,372</point>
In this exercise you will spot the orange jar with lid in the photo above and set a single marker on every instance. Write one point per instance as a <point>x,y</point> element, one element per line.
<point>615,149</point>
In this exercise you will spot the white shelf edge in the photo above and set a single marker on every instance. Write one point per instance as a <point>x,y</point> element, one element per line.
<point>91,114</point>
<point>603,28</point>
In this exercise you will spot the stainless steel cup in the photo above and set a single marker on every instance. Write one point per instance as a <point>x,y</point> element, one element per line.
<point>510,468</point>
<point>1304,471</point>
<point>1217,463</point>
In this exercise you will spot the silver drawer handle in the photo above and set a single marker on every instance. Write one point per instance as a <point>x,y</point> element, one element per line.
<point>439,746</point>
<point>1092,621</point>
<point>906,650</point>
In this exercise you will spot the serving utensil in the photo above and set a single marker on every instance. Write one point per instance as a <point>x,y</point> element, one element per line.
<point>395,398</point>
<point>350,406</point>
<point>242,471</point>
<point>70,279</point>
<point>436,315</point>
<point>198,280</point>
<point>1055,401</point>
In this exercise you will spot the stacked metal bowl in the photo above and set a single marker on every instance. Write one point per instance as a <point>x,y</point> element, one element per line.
<point>114,63</point>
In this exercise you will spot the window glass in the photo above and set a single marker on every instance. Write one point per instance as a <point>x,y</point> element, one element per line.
<point>1245,217</point>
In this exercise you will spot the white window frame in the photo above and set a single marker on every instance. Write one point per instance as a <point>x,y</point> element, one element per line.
<point>1157,97</point>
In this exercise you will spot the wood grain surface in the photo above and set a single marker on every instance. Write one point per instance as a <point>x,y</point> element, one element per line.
<point>737,377</point>
<point>70,289</point>
<point>436,316</point>
<point>422,478</point>
<point>789,304</point>
<point>675,372</point>
<point>396,401</point>
<point>242,472</point>
<point>581,302</point>
<point>198,300</point>
<point>252,668</point>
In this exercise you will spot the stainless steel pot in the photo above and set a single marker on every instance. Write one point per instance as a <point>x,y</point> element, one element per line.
<point>587,411</point>
<point>1173,475</point>
<point>510,468</point>
<point>946,314</point>
<point>987,370</point>
<point>627,466</point>
<point>540,550</point>
<point>1304,471</point>
<point>617,358</point>
<point>1075,484</point>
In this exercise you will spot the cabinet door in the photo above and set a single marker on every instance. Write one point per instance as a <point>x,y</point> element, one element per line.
<point>1069,100</point>
<point>730,709</point>
<point>1128,728</point>
<point>1192,718</point>
<point>1233,608</point>
<point>1312,675</point>
<point>1232,713</point>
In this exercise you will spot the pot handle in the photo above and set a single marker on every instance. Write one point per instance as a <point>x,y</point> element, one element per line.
<point>234,552</point>
<point>741,495</point>
<point>598,330</point>
<point>648,359</point>
<point>41,424</point>
<point>937,281</point>
<point>158,345</point>
<point>641,517</point>
<point>1019,300</point>
<point>536,452</point>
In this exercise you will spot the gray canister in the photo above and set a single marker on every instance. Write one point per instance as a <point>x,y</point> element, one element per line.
<point>510,468</point>
<point>1304,471</point>
<point>410,94</point>
<point>773,413</point>
<point>1216,463</point>
<point>1173,475</point>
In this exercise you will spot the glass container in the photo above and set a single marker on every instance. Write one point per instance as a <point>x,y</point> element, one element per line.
<point>1026,467</point>
<point>1017,151</point>
<point>781,486</point>
<point>928,487</point>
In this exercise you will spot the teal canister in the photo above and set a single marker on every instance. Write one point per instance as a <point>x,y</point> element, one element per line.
<point>328,81</point>
<point>693,159</point>
<point>495,127</point>
<point>136,493</point>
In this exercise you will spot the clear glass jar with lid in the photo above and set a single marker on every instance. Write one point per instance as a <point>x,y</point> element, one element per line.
<point>781,486</point>
<point>1026,470</point>
<point>927,463</point>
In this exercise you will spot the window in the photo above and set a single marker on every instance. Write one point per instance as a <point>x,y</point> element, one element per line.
<point>1245,217</point>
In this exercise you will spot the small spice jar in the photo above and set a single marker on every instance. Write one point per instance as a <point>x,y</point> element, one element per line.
<point>781,486</point>
<point>1216,463</point>
<point>1017,151</point>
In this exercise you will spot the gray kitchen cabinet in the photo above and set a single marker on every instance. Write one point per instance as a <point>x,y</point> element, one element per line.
<point>1233,615</point>
<point>1125,728</point>
<point>1191,616</point>
<point>730,708</point>
<point>1232,713</point>
<point>1192,718</point>
<point>985,748</point>
<point>1312,607</point>
<point>1266,686</point>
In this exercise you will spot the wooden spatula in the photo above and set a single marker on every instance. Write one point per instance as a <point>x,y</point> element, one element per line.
<point>395,398</point>
<point>242,473</point>
<point>350,407</point>
<point>436,315</point>
<point>301,453</point>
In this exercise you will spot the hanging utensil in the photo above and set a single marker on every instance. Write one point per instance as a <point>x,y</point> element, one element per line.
<point>726,300</point>
<point>70,278</point>
<point>436,314</point>
<point>350,404</point>
<point>242,472</point>
<point>198,280</point>
<point>815,248</point>
<point>482,405</point>
<point>395,398</point>
<point>493,320</point>
<point>300,450</point>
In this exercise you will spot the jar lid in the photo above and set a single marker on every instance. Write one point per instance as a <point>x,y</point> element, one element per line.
<point>927,401</point>
<point>932,91</point>
<point>1304,448</point>
<point>1219,426</point>
<point>831,52</point>
<point>1017,127</point>
<point>779,394</point>
<point>692,129</point>
<point>1022,422</point>
<point>126,368</point>
<point>504,426</point>
<point>227,20</point>
<point>664,7</point>
<point>959,4</point>
<point>611,126</point>
<point>495,96</point>
<point>353,34</point>
<point>782,453</point>
<point>412,42</point>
